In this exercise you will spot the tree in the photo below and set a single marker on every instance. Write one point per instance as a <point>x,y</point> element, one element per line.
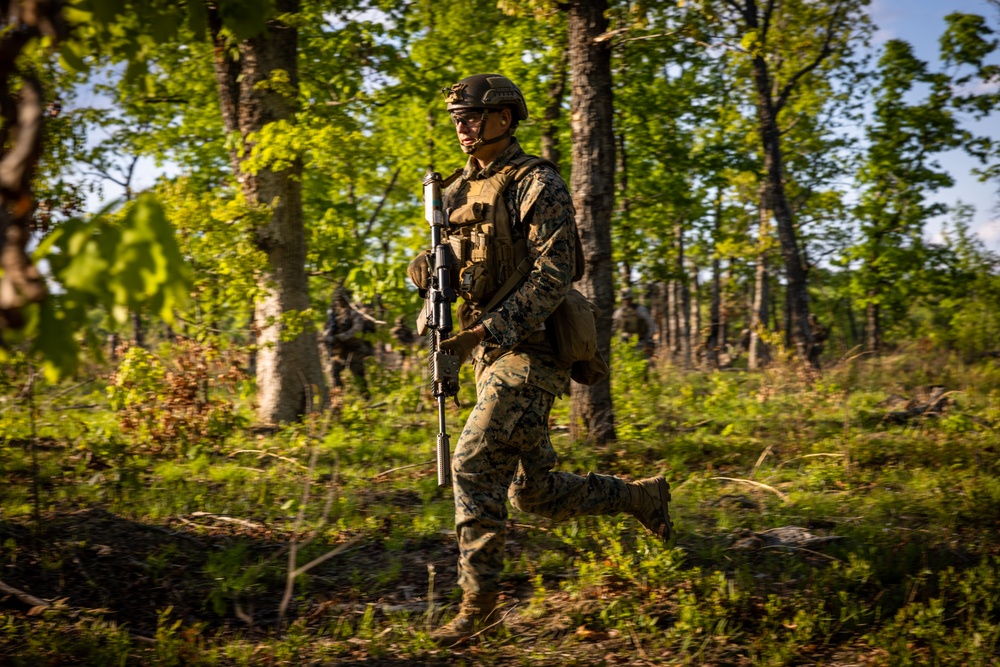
<point>898,175</point>
<point>787,42</point>
<point>592,186</point>
<point>258,86</point>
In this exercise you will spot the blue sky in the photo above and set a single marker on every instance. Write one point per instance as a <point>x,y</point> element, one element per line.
<point>921,23</point>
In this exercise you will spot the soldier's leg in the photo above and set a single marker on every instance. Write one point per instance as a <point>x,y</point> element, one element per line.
<point>337,366</point>
<point>357,366</point>
<point>561,495</point>
<point>484,462</point>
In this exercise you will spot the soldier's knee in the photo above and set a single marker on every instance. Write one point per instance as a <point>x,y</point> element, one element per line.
<point>527,498</point>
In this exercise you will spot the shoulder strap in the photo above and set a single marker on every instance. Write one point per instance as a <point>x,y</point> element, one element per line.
<point>452,177</point>
<point>522,165</point>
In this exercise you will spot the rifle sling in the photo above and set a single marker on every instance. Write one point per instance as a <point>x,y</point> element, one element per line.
<point>512,283</point>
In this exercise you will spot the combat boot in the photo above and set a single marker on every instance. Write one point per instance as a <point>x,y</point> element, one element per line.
<point>473,616</point>
<point>648,501</point>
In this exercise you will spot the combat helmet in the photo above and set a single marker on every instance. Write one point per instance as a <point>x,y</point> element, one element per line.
<point>486,91</point>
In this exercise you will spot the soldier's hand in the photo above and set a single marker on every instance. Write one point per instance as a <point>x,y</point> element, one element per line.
<point>461,345</point>
<point>419,271</point>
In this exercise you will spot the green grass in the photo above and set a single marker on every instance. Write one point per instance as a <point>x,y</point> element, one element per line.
<point>168,552</point>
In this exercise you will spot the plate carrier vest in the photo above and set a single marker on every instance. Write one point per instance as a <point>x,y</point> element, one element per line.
<point>487,254</point>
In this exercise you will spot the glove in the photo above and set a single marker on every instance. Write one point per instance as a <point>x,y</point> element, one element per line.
<point>461,345</point>
<point>419,271</point>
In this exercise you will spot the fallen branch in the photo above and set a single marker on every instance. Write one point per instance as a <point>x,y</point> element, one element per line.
<point>773,490</point>
<point>228,519</point>
<point>26,598</point>
<point>809,456</point>
<point>392,470</point>
<point>262,453</point>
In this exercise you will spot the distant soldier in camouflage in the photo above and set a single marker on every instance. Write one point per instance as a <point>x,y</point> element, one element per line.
<point>344,344</point>
<point>820,334</point>
<point>405,339</point>
<point>513,234</point>
<point>632,320</point>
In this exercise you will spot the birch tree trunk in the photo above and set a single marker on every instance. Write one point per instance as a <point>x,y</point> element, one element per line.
<point>592,186</point>
<point>289,374</point>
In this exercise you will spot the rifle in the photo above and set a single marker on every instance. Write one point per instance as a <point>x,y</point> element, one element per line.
<point>437,309</point>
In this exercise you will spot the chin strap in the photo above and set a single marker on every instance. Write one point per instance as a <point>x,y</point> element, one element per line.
<point>480,142</point>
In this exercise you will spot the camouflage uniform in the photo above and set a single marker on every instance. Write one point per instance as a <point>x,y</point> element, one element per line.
<point>504,450</point>
<point>345,346</point>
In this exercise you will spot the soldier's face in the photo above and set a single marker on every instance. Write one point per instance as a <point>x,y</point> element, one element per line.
<point>469,122</point>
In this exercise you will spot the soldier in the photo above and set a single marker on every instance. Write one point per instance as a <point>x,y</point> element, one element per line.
<point>631,319</point>
<point>406,338</point>
<point>820,334</point>
<point>346,348</point>
<point>504,451</point>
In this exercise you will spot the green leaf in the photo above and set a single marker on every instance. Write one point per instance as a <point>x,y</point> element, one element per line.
<point>197,19</point>
<point>72,59</point>
<point>105,11</point>
<point>54,342</point>
<point>751,41</point>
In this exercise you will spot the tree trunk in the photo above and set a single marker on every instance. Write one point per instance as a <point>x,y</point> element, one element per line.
<point>673,322</point>
<point>694,339</point>
<point>138,331</point>
<point>714,340</point>
<point>658,311</point>
<point>758,353</point>
<point>777,199</point>
<point>553,111</point>
<point>683,300</point>
<point>593,192</point>
<point>758,316</point>
<point>289,375</point>
<point>873,326</point>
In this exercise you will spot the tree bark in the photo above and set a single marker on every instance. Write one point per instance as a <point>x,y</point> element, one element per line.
<point>683,299</point>
<point>758,353</point>
<point>554,95</point>
<point>873,326</point>
<point>694,339</point>
<point>593,192</point>
<point>758,316</point>
<point>289,374</point>
<point>714,340</point>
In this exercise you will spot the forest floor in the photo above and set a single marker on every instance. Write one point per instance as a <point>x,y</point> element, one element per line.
<point>849,518</point>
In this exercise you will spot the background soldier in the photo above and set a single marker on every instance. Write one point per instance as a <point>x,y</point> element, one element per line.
<point>820,335</point>
<point>342,337</point>
<point>405,339</point>
<point>504,450</point>
<point>632,319</point>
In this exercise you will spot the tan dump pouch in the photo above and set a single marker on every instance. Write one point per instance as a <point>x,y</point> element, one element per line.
<point>573,328</point>
<point>590,371</point>
<point>573,331</point>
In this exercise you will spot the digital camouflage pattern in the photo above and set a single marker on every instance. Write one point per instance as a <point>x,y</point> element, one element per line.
<point>504,451</point>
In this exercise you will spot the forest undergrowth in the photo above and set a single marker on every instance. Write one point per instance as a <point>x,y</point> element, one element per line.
<point>846,517</point>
